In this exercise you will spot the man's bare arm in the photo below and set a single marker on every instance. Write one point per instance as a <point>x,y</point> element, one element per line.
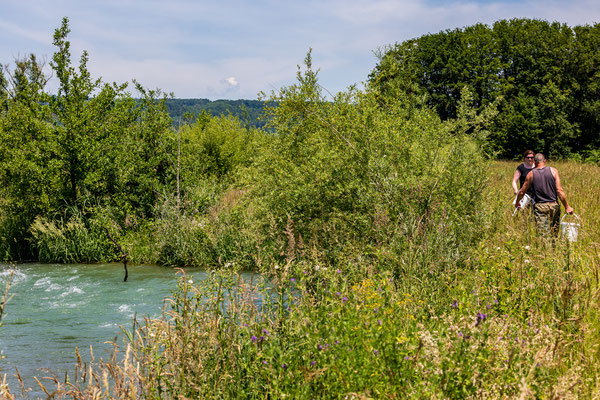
<point>560,192</point>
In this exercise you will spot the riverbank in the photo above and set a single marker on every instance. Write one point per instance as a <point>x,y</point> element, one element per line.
<point>516,318</point>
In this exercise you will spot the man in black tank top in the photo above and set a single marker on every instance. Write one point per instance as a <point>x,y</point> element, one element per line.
<point>546,187</point>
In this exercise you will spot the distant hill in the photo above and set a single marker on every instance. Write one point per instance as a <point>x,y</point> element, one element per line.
<point>247,111</point>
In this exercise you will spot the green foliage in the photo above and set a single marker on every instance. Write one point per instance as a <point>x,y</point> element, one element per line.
<point>70,241</point>
<point>88,145</point>
<point>362,171</point>
<point>247,111</point>
<point>545,73</point>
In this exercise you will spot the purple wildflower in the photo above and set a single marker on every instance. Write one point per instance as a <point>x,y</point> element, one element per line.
<point>375,352</point>
<point>337,342</point>
<point>460,334</point>
<point>339,271</point>
<point>292,280</point>
<point>375,310</point>
<point>313,363</point>
<point>407,358</point>
<point>379,321</point>
<point>344,299</point>
<point>265,362</point>
<point>253,338</point>
<point>266,332</point>
<point>480,317</point>
<point>455,304</point>
<point>338,293</point>
<point>284,366</point>
<point>320,347</point>
<point>261,339</point>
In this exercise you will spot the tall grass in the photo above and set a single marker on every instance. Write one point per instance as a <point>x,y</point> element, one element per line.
<point>516,318</point>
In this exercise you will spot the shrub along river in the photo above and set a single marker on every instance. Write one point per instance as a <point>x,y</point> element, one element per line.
<point>57,307</point>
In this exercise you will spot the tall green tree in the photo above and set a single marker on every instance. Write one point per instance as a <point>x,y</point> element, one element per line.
<point>545,73</point>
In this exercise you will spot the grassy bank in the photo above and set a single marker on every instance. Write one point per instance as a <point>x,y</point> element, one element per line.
<point>515,318</point>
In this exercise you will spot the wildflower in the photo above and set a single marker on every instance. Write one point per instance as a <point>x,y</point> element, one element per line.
<point>455,304</point>
<point>376,309</point>
<point>261,339</point>
<point>379,321</point>
<point>460,334</point>
<point>276,266</point>
<point>190,281</point>
<point>480,317</point>
<point>317,267</point>
<point>488,306</point>
<point>253,338</point>
<point>527,248</point>
<point>245,324</point>
<point>375,352</point>
<point>265,362</point>
<point>292,280</point>
<point>339,271</point>
<point>320,347</point>
<point>344,299</point>
<point>284,366</point>
<point>407,358</point>
<point>313,363</point>
<point>338,293</point>
<point>266,332</point>
<point>337,342</point>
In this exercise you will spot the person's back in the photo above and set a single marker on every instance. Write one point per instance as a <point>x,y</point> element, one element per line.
<point>544,185</point>
<point>547,189</point>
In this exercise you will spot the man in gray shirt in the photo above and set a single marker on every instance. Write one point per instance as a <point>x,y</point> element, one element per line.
<point>547,189</point>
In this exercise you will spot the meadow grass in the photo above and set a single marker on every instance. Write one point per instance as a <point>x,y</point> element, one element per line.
<point>517,317</point>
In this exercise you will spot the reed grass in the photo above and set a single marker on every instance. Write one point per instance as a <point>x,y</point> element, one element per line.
<point>514,317</point>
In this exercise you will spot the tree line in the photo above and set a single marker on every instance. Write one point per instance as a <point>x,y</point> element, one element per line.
<point>544,77</point>
<point>249,112</point>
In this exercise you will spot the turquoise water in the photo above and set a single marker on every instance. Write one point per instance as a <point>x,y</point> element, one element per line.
<point>57,307</point>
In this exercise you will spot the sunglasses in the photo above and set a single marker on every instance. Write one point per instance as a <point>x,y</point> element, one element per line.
<point>530,157</point>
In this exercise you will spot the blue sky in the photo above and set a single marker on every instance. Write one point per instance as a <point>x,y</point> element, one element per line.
<point>233,49</point>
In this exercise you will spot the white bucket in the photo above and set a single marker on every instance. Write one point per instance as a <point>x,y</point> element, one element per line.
<point>523,203</point>
<point>570,230</point>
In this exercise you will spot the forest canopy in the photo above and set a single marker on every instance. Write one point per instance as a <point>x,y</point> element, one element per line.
<point>546,76</point>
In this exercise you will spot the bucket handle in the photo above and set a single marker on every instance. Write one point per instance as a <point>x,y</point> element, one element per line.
<point>574,215</point>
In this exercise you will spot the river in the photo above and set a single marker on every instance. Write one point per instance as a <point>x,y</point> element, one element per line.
<point>57,307</point>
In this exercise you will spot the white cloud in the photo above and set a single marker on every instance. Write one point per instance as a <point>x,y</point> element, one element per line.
<point>232,80</point>
<point>235,48</point>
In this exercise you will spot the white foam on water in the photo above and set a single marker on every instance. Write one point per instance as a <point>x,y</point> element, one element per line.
<point>42,282</point>
<point>140,289</point>
<point>124,308</point>
<point>54,286</point>
<point>73,278</point>
<point>17,275</point>
<point>108,325</point>
<point>71,290</point>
